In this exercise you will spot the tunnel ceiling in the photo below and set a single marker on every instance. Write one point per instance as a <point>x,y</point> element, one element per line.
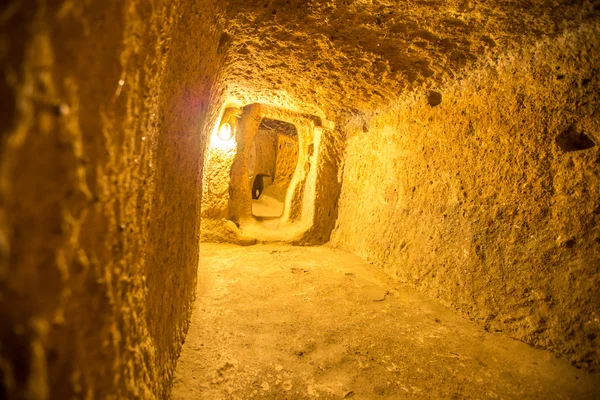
<point>364,53</point>
<point>280,127</point>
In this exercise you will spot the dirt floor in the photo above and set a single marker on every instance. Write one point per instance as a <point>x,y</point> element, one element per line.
<point>267,206</point>
<point>282,322</point>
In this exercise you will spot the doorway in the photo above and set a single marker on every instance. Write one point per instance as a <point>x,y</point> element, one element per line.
<point>271,165</point>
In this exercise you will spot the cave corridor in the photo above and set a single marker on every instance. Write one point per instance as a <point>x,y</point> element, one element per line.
<point>299,199</point>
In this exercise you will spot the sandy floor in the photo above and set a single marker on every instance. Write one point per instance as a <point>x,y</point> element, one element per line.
<point>281,322</point>
<point>267,206</point>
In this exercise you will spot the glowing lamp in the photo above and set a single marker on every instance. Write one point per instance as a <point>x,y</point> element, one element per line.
<point>225,132</point>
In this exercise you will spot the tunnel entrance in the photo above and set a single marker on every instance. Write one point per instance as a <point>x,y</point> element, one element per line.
<point>271,164</point>
<point>261,174</point>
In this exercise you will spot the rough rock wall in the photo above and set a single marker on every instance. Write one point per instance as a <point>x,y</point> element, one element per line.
<point>189,105</point>
<point>328,58</point>
<point>265,143</point>
<point>363,53</point>
<point>490,200</point>
<point>287,159</point>
<point>328,187</point>
<point>215,199</point>
<point>98,180</point>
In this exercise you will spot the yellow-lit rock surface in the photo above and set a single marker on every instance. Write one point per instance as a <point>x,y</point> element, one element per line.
<point>102,106</point>
<point>452,144</point>
<point>474,201</point>
<point>283,322</point>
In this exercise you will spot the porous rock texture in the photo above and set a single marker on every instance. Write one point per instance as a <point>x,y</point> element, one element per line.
<point>99,167</point>
<point>276,322</point>
<point>264,148</point>
<point>476,202</point>
<point>338,58</point>
<point>361,54</point>
<point>108,105</point>
<point>523,258</point>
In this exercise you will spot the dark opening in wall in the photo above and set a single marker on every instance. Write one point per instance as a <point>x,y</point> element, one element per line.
<point>434,98</point>
<point>571,140</point>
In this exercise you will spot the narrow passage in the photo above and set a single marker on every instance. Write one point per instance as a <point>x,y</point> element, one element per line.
<point>283,322</point>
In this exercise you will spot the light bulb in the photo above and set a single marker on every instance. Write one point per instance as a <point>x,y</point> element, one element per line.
<point>225,132</point>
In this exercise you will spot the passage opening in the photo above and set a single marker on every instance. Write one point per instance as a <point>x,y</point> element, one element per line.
<point>271,165</point>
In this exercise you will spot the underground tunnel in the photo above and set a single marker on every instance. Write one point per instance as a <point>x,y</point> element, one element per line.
<point>299,199</point>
